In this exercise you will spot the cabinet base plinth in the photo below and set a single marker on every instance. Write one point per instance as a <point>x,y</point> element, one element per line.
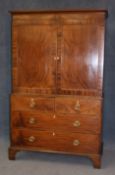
<point>12,153</point>
<point>96,160</point>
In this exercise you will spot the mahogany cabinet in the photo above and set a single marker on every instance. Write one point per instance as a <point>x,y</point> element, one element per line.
<point>57,82</point>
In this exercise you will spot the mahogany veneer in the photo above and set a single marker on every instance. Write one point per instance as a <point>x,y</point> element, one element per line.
<point>57,82</point>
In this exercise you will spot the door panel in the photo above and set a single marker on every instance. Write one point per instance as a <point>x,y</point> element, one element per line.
<point>79,61</point>
<point>36,47</point>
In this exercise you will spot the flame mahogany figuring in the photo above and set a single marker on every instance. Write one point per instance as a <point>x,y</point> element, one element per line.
<point>57,82</point>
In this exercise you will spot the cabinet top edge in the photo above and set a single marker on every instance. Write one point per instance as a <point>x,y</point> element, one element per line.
<point>60,11</point>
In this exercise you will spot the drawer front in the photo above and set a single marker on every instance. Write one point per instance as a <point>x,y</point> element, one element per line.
<point>56,141</point>
<point>78,105</point>
<point>78,123</point>
<point>33,119</point>
<point>32,103</point>
<point>42,121</point>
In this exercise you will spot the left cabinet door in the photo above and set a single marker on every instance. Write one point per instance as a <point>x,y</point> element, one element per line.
<point>34,49</point>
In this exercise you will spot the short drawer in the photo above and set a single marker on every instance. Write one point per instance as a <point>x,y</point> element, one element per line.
<point>19,102</point>
<point>78,105</point>
<point>33,119</point>
<point>56,141</point>
<point>78,123</point>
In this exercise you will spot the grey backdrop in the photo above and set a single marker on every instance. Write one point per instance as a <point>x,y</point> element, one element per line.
<point>5,55</point>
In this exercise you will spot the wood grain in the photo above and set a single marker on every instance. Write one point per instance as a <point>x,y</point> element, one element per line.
<point>90,106</point>
<point>58,122</point>
<point>44,37</point>
<point>34,49</point>
<point>58,142</point>
<point>20,102</point>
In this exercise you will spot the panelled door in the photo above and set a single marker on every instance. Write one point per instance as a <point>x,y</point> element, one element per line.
<point>34,52</point>
<point>58,53</point>
<point>80,63</point>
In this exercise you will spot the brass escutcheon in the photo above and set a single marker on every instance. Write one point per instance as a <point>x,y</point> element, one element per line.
<point>77,106</point>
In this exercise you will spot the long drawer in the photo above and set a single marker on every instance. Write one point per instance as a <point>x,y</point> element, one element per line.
<point>19,102</point>
<point>50,121</point>
<point>78,105</point>
<point>56,141</point>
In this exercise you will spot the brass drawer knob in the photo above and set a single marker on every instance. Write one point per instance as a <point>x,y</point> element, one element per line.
<point>77,106</point>
<point>32,120</point>
<point>56,58</point>
<point>32,103</point>
<point>31,139</point>
<point>76,123</point>
<point>76,142</point>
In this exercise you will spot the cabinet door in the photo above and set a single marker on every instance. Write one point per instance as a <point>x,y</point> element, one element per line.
<point>80,65</point>
<point>34,48</point>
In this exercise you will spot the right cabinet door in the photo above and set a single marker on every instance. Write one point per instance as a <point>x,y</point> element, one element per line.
<point>80,66</point>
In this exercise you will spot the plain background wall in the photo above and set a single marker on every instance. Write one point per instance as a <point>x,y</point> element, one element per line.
<point>5,55</point>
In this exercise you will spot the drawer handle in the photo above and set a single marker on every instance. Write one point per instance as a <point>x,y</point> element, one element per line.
<point>76,123</point>
<point>32,103</point>
<point>54,116</point>
<point>77,106</point>
<point>32,120</point>
<point>56,58</point>
<point>76,142</point>
<point>31,139</point>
